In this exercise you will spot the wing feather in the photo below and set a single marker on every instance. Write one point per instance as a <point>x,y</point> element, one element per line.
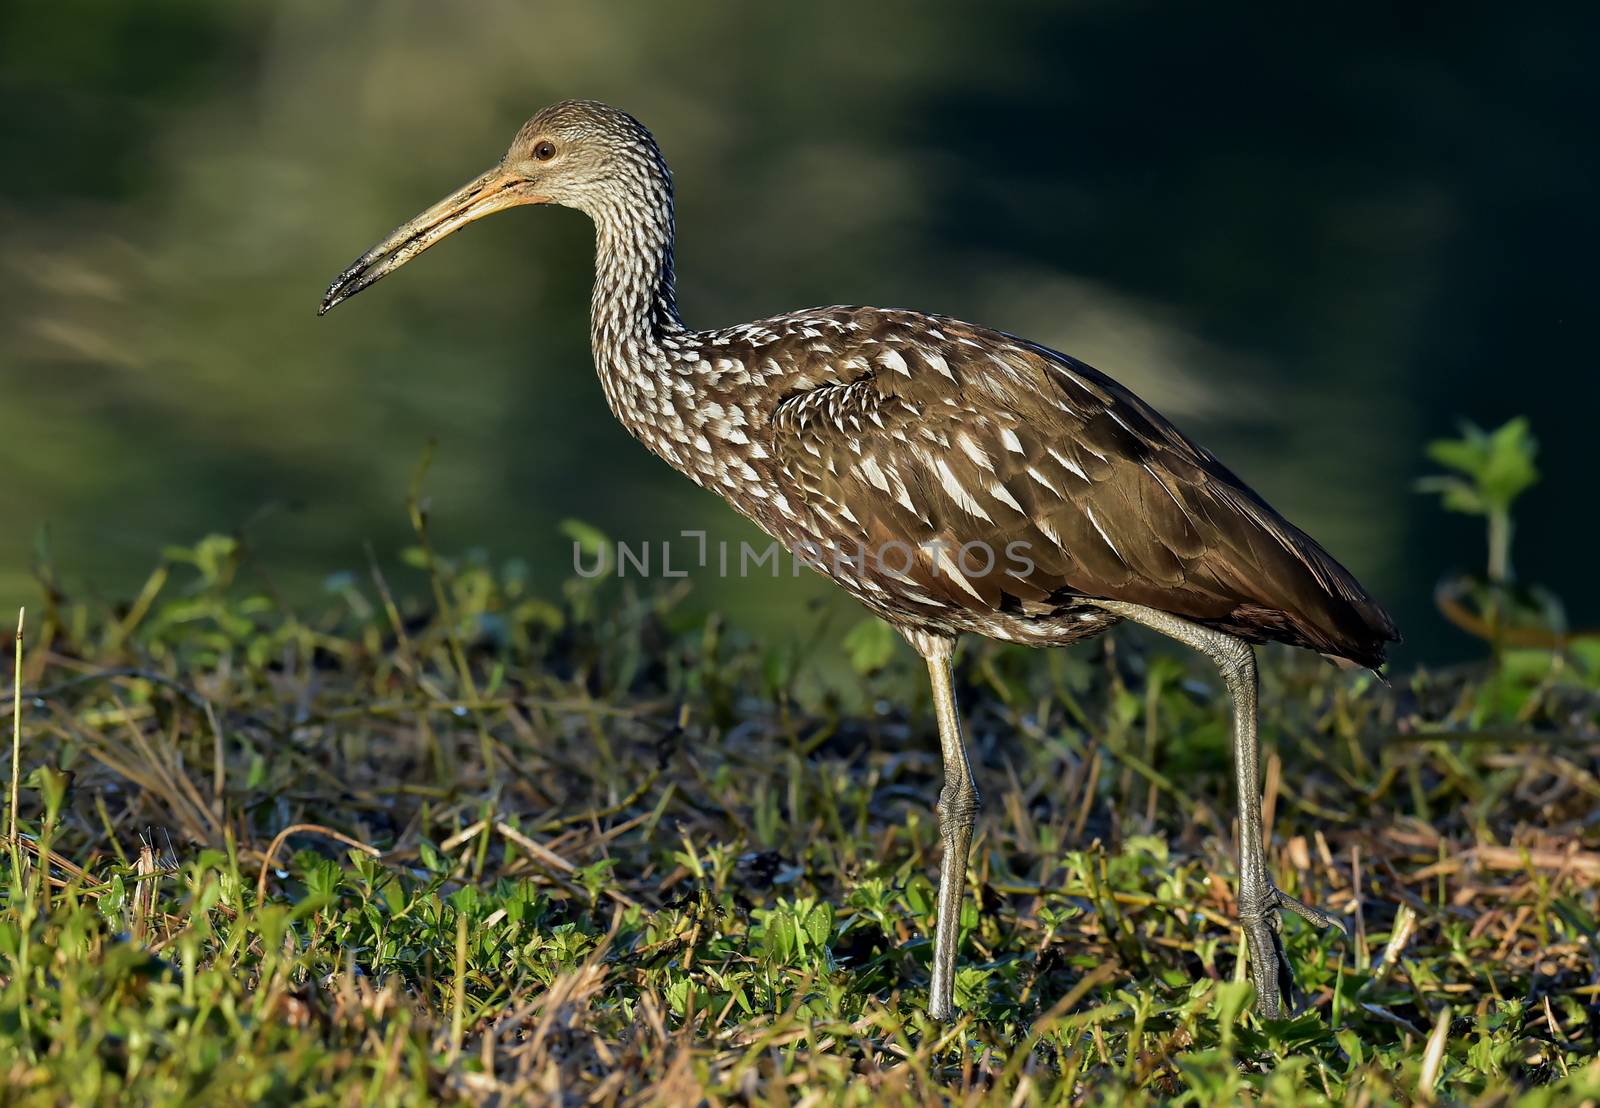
<point>946,434</point>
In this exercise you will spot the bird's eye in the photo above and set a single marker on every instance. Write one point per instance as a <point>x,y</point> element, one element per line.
<point>544,150</point>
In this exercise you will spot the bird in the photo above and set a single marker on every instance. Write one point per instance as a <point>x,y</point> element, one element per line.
<point>954,479</point>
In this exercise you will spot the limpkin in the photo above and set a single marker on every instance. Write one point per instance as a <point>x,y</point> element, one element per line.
<point>931,445</point>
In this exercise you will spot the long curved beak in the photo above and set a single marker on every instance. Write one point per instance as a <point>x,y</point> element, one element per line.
<point>494,191</point>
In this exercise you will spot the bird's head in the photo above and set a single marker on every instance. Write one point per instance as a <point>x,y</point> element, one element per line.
<point>578,153</point>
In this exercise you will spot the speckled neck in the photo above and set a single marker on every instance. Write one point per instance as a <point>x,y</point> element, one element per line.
<point>633,312</point>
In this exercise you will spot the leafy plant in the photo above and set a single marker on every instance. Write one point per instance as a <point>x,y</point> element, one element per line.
<point>1491,470</point>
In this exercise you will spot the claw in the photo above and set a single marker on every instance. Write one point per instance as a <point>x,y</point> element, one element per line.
<point>1263,926</point>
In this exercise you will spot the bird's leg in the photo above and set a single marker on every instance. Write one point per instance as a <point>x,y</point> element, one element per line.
<point>958,810</point>
<point>1259,899</point>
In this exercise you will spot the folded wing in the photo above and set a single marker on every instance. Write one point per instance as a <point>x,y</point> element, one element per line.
<point>956,437</point>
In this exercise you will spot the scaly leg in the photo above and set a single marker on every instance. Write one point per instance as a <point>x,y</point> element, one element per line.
<point>958,811</point>
<point>1259,898</point>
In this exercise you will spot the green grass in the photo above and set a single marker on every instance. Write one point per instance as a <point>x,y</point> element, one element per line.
<point>614,853</point>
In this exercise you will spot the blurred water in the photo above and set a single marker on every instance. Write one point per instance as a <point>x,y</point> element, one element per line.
<point>1314,244</point>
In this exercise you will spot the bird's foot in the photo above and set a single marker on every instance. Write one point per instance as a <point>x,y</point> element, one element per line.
<point>1269,962</point>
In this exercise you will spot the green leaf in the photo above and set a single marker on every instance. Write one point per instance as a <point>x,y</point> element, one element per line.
<point>819,924</point>
<point>590,539</point>
<point>1497,467</point>
<point>870,645</point>
<point>1455,494</point>
<point>919,895</point>
<point>1509,470</point>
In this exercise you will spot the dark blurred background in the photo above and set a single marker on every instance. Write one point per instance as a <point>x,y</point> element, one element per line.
<point>1314,243</point>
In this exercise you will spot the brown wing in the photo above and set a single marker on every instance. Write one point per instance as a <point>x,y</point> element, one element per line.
<point>955,435</point>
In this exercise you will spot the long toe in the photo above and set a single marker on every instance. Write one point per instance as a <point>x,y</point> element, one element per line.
<point>1307,912</point>
<point>1269,967</point>
<point>1270,970</point>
